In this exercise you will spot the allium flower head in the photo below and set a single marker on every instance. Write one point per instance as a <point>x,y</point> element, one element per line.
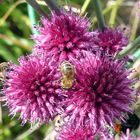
<point>64,35</point>
<point>31,89</point>
<point>85,132</point>
<point>110,40</point>
<point>69,132</point>
<point>101,93</point>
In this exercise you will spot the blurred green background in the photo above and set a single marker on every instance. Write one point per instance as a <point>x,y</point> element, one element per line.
<point>15,40</point>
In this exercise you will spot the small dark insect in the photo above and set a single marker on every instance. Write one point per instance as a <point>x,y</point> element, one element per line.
<point>131,123</point>
<point>126,30</point>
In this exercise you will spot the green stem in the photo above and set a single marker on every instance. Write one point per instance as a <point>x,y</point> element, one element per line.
<point>85,6</point>
<point>132,46</point>
<point>137,54</point>
<point>35,5</point>
<point>10,10</point>
<point>105,11</point>
<point>32,17</point>
<point>135,26</point>
<point>0,113</point>
<point>114,12</point>
<point>100,18</point>
<point>52,4</point>
<point>28,132</point>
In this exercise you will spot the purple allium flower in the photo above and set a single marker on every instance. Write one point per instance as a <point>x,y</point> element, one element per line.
<point>31,89</point>
<point>64,35</point>
<point>69,132</point>
<point>110,40</point>
<point>101,92</point>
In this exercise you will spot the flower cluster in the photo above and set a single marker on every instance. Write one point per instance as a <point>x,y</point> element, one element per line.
<point>100,92</point>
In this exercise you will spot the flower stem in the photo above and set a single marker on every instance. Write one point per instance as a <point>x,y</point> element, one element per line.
<point>137,54</point>
<point>35,5</point>
<point>114,12</point>
<point>85,6</point>
<point>100,18</point>
<point>28,132</point>
<point>0,113</point>
<point>132,46</point>
<point>32,17</point>
<point>16,41</point>
<point>52,5</point>
<point>10,10</point>
<point>135,24</point>
<point>105,11</point>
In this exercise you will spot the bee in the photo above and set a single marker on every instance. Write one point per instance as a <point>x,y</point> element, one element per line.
<point>3,67</point>
<point>67,70</point>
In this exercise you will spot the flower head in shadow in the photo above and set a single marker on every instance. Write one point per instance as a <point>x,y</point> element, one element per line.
<point>110,40</point>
